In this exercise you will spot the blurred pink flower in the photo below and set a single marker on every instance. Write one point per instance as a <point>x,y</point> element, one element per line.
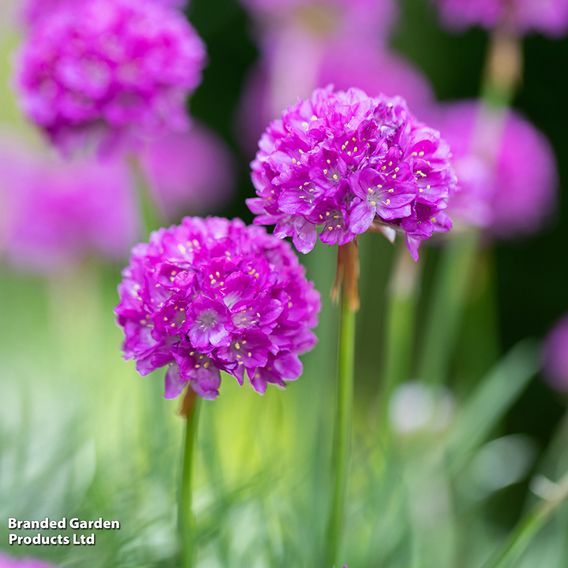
<point>511,194</point>
<point>108,72</point>
<point>555,355</point>
<point>327,18</point>
<point>189,172</point>
<point>9,562</point>
<point>59,212</point>
<point>344,64</point>
<point>549,17</point>
<point>34,10</point>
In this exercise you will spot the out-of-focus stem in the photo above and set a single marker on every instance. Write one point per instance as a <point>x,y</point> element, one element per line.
<point>347,282</point>
<point>151,215</point>
<point>451,285</point>
<point>190,410</point>
<point>504,69</point>
<point>502,76</point>
<point>77,285</point>
<point>400,318</point>
<point>529,527</point>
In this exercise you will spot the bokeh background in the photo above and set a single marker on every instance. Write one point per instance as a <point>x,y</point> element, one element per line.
<point>82,435</point>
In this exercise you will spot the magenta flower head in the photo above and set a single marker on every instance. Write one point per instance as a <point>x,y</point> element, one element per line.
<point>190,171</point>
<point>555,356</point>
<point>108,71</point>
<point>549,17</point>
<point>511,195</point>
<point>214,295</point>
<point>341,163</point>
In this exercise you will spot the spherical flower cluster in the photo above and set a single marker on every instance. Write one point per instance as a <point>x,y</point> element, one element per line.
<point>107,70</point>
<point>55,210</point>
<point>214,295</point>
<point>549,17</point>
<point>190,171</point>
<point>341,162</point>
<point>555,355</point>
<point>509,194</point>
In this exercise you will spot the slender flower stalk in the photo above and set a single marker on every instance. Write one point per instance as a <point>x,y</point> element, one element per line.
<point>346,289</point>
<point>334,166</point>
<point>212,295</point>
<point>186,524</point>
<point>528,527</point>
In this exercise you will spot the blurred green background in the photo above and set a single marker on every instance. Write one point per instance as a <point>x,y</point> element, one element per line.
<point>82,435</point>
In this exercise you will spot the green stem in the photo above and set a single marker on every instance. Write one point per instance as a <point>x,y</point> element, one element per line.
<point>342,435</point>
<point>151,214</point>
<point>502,76</point>
<point>528,527</point>
<point>185,514</point>
<point>450,287</point>
<point>401,315</point>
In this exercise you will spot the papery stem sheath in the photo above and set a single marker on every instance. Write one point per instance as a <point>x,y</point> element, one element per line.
<point>186,522</point>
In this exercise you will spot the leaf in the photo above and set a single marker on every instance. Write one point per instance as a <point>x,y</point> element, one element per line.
<point>494,396</point>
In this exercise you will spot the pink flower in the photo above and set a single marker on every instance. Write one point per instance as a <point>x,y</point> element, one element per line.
<point>344,64</point>
<point>549,17</point>
<point>214,295</point>
<point>108,71</point>
<point>342,162</point>
<point>8,562</point>
<point>61,212</point>
<point>510,194</point>
<point>371,18</point>
<point>36,10</point>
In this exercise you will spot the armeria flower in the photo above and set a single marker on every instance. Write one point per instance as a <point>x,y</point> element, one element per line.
<point>549,17</point>
<point>555,355</point>
<point>108,70</point>
<point>214,295</point>
<point>9,562</point>
<point>341,163</point>
<point>510,194</point>
<point>188,172</point>
<point>59,212</point>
